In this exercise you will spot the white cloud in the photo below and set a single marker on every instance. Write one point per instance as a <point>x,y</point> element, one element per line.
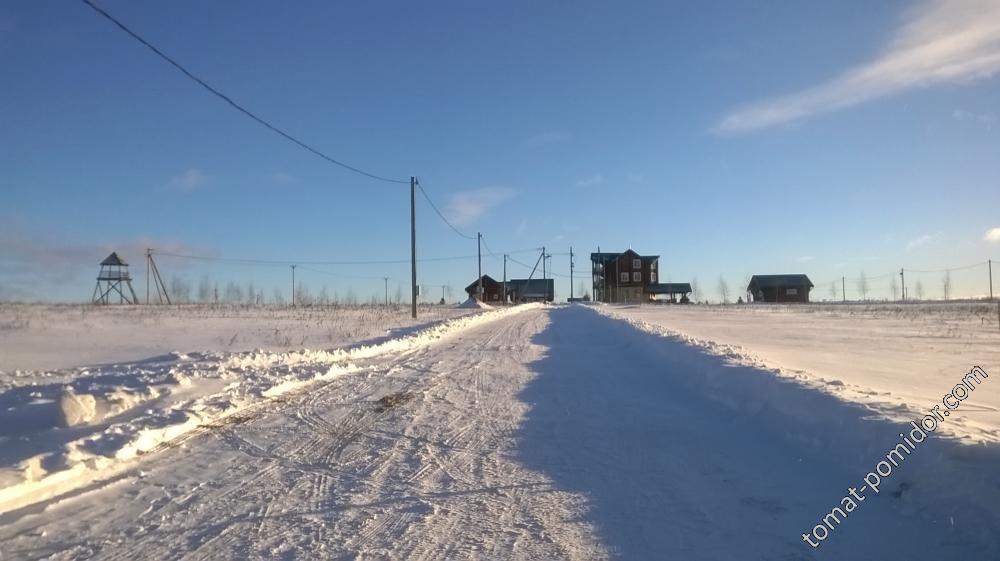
<point>281,178</point>
<point>547,138</point>
<point>992,235</point>
<point>590,181</point>
<point>191,180</point>
<point>468,206</point>
<point>985,119</point>
<point>941,41</point>
<point>923,240</point>
<point>804,259</point>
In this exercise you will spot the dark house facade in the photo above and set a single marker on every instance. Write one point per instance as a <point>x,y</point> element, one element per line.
<point>492,290</point>
<point>628,277</point>
<point>531,290</point>
<point>779,288</point>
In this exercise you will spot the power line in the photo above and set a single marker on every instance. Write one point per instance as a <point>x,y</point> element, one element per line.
<point>232,103</point>
<point>441,215</point>
<point>285,263</point>
<point>962,268</point>
<point>338,275</point>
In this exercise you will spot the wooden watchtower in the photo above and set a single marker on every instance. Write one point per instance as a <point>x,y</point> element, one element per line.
<point>114,274</point>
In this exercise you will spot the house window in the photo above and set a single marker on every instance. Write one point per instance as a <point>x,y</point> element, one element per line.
<point>637,263</point>
<point>652,276</point>
<point>652,265</point>
<point>791,291</point>
<point>624,276</point>
<point>637,276</point>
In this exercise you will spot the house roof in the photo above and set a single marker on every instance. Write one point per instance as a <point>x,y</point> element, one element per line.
<point>605,257</point>
<point>487,281</point>
<point>779,281</point>
<point>532,287</point>
<point>114,260</point>
<point>669,288</point>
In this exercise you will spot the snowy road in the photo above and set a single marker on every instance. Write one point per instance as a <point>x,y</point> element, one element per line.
<point>555,433</point>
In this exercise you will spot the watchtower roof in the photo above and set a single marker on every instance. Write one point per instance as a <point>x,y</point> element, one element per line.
<point>114,260</point>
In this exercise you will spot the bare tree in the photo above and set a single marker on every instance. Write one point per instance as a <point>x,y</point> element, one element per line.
<point>833,291</point>
<point>946,285</point>
<point>204,289</point>
<point>695,293</point>
<point>251,294</point>
<point>723,290</point>
<point>350,299</point>
<point>324,296</point>
<point>863,286</point>
<point>278,297</point>
<point>302,295</point>
<point>234,293</point>
<point>180,290</point>
<point>893,287</point>
<point>919,289</point>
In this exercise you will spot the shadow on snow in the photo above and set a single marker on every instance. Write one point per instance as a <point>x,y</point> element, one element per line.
<point>683,454</point>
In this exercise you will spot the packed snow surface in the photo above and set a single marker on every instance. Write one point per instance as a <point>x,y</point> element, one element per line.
<point>538,432</point>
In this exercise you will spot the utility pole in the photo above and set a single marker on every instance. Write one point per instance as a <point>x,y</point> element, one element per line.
<point>442,292</point>
<point>571,271</point>
<point>504,278</point>
<point>413,246</point>
<point>543,263</point>
<point>989,263</point>
<point>293,286</point>
<point>843,290</point>
<point>147,277</point>
<point>479,255</point>
<point>386,280</point>
<point>902,281</point>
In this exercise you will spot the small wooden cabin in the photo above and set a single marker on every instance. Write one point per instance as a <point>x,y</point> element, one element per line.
<point>779,288</point>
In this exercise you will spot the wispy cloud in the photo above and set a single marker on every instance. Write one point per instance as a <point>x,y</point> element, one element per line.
<point>547,138</point>
<point>590,181</point>
<point>282,179</point>
<point>923,240</point>
<point>30,265</point>
<point>992,235</point>
<point>466,207</point>
<point>987,120</point>
<point>940,41</point>
<point>191,180</point>
<point>804,259</point>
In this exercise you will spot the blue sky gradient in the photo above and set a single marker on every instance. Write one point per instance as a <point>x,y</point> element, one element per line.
<point>729,138</point>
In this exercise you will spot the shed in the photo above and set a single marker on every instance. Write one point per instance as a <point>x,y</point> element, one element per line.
<point>779,288</point>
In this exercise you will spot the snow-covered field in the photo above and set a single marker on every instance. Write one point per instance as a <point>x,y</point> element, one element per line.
<point>538,432</point>
<point>898,359</point>
<point>43,337</point>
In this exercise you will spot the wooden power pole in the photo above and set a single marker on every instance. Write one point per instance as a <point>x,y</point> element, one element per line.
<point>413,247</point>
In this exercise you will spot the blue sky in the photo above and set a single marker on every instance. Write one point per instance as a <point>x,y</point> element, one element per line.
<point>824,138</point>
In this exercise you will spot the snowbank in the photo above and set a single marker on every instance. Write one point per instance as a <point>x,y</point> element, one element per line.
<point>473,304</point>
<point>88,424</point>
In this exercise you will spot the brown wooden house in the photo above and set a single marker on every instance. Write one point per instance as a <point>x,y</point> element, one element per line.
<point>492,290</point>
<point>779,288</point>
<point>628,277</point>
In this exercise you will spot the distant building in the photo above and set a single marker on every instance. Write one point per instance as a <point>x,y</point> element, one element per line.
<point>779,288</point>
<point>628,277</point>
<point>676,292</point>
<point>492,290</point>
<point>531,290</point>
